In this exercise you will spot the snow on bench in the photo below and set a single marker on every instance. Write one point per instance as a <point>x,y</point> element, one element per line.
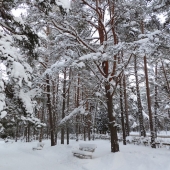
<point>40,146</point>
<point>85,150</point>
<point>87,147</point>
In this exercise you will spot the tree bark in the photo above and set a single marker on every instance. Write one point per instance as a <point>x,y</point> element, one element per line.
<point>77,103</point>
<point>122,113</point>
<point>84,131</point>
<point>50,109</point>
<point>28,132</point>
<point>68,103</point>
<point>56,115</point>
<point>16,131</point>
<point>156,100</point>
<point>149,105</point>
<point>63,107</point>
<point>126,107</point>
<point>106,74</point>
<point>112,120</point>
<point>167,82</point>
<point>142,129</point>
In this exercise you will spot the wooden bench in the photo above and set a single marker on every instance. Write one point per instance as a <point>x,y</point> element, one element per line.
<point>136,141</point>
<point>40,146</point>
<point>157,144</point>
<point>85,150</point>
<point>146,143</point>
<point>166,144</point>
<point>87,147</point>
<point>82,154</point>
<point>105,137</point>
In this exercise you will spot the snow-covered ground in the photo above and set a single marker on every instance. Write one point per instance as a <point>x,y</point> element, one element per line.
<point>20,156</point>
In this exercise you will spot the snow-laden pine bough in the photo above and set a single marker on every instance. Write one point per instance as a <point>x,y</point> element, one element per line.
<point>85,150</point>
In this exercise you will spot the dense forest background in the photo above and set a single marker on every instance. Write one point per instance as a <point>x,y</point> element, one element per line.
<point>97,67</point>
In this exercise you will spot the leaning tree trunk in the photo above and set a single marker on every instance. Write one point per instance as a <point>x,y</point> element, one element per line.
<point>149,105</point>
<point>142,129</point>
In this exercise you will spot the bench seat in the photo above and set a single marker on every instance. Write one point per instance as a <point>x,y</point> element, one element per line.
<point>82,154</point>
<point>40,146</point>
<point>85,150</point>
<point>87,147</point>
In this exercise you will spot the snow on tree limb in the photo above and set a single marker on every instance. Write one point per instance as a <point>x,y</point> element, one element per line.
<point>79,110</point>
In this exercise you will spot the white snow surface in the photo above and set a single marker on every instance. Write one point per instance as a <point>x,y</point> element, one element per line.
<point>19,156</point>
<point>25,97</point>
<point>145,115</point>
<point>79,110</point>
<point>3,114</point>
<point>64,3</point>
<point>19,73</point>
<point>2,101</point>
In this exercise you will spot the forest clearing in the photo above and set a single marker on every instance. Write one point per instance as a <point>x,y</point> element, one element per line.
<point>19,156</point>
<point>84,79</point>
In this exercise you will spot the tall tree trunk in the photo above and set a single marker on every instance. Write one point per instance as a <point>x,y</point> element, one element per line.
<point>77,103</point>
<point>25,134</point>
<point>105,65</point>
<point>121,104</point>
<point>149,105</point>
<point>63,107</point>
<point>126,107</point>
<point>89,137</point>
<point>83,116</point>
<point>142,129</point>
<point>56,115</point>
<point>84,131</point>
<point>68,103</point>
<point>122,113</point>
<point>40,136</point>
<point>54,110</point>
<point>112,120</point>
<point>28,132</point>
<point>42,119</point>
<point>50,109</point>
<point>167,82</point>
<point>94,120</point>
<point>156,100</point>
<point>16,131</point>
